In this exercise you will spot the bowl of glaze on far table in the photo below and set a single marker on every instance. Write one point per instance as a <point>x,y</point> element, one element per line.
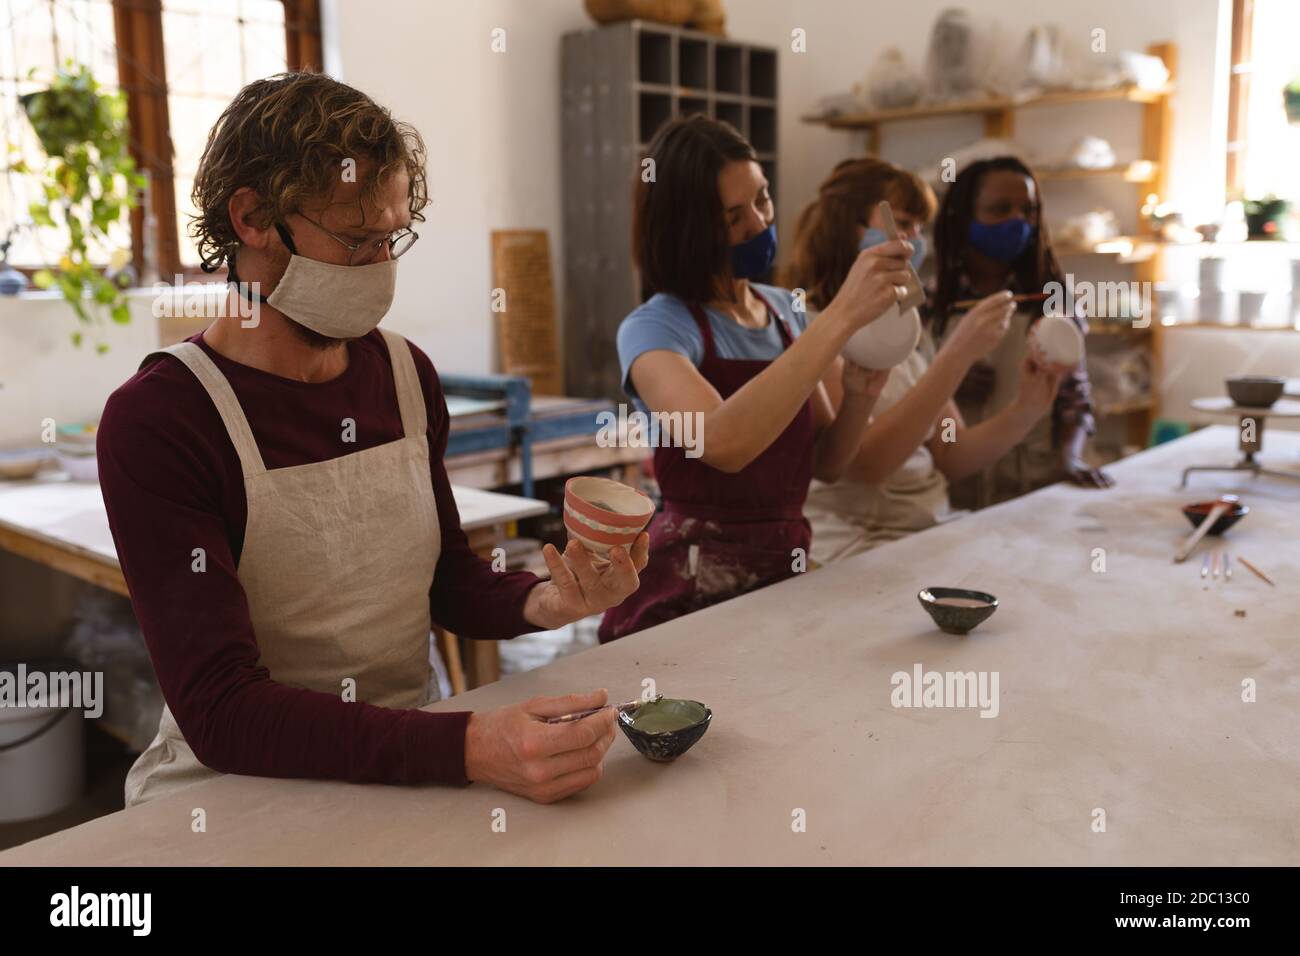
<point>957,610</point>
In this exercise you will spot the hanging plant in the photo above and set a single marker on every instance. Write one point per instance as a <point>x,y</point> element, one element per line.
<point>89,182</point>
<point>1291,99</point>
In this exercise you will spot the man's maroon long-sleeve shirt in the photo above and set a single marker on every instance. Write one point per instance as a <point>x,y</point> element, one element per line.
<point>172,482</point>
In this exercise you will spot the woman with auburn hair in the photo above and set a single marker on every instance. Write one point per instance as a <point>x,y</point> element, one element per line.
<point>713,343</point>
<point>829,232</point>
<point>897,483</point>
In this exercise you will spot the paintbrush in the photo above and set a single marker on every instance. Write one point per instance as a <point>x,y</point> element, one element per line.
<point>913,292</point>
<point>1256,571</point>
<point>967,304</point>
<point>625,706</point>
<point>1221,504</point>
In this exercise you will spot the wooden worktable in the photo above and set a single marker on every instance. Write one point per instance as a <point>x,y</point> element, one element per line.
<point>1119,690</point>
<point>63,524</point>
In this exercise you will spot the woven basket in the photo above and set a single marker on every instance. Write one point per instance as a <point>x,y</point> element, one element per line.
<point>709,17</point>
<point>674,12</point>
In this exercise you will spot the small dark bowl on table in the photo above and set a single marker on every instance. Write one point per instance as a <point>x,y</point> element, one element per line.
<point>1198,512</point>
<point>667,745</point>
<point>951,618</point>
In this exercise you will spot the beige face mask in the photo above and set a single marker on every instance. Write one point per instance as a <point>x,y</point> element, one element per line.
<point>340,302</point>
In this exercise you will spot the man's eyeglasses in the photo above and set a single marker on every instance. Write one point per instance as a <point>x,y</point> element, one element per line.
<point>398,242</point>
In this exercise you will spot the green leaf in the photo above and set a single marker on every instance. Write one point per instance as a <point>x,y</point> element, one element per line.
<point>70,286</point>
<point>76,338</point>
<point>88,181</point>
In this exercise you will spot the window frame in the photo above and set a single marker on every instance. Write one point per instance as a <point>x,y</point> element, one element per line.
<point>142,78</point>
<point>1243,23</point>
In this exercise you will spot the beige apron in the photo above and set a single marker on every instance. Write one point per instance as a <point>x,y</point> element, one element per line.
<point>1033,462</point>
<point>337,562</point>
<point>848,517</point>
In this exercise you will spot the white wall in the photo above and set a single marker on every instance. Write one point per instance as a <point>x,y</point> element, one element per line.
<point>491,122</point>
<point>492,125</point>
<point>42,375</point>
<point>1197,361</point>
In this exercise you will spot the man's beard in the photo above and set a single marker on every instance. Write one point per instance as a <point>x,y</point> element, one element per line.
<point>321,343</point>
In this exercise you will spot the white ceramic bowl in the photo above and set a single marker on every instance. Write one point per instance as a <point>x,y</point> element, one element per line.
<point>80,467</point>
<point>885,342</point>
<point>1059,339</point>
<point>21,464</point>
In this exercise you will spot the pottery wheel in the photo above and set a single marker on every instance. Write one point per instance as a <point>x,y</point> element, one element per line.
<point>1222,405</point>
<point>1251,440</point>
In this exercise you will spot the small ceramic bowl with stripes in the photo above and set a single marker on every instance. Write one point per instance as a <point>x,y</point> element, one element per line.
<point>601,513</point>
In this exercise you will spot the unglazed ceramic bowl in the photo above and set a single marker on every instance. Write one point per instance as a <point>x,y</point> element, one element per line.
<point>1255,392</point>
<point>665,729</point>
<point>22,464</point>
<point>1059,339</point>
<point>885,342</point>
<point>601,513</point>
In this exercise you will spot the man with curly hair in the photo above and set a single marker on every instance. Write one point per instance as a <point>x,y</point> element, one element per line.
<point>276,489</point>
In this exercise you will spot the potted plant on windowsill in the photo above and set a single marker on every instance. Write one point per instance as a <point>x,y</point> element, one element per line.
<point>1265,217</point>
<point>89,182</point>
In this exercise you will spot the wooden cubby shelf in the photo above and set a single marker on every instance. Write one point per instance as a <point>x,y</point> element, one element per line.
<point>620,83</point>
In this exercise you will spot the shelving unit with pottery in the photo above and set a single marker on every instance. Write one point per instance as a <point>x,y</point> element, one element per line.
<point>1249,285</point>
<point>1142,251</point>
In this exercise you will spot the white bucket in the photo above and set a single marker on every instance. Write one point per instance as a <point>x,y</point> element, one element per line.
<point>48,772</point>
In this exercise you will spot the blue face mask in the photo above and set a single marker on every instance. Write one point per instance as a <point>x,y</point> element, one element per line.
<point>754,257</point>
<point>1003,241</point>
<point>874,237</point>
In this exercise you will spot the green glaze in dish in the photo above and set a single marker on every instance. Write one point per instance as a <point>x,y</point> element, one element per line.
<point>665,729</point>
<point>666,715</point>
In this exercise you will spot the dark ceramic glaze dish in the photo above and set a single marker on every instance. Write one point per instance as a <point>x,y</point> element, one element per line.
<point>666,745</point>
<point>1200,511</point>
<point>957,620</point>
<point>1255,392</point>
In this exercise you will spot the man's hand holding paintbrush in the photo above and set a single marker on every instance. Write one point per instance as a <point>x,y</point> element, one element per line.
<point>519,749</point>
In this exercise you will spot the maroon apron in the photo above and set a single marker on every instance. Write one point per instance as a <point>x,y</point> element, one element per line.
<point>721,535</point>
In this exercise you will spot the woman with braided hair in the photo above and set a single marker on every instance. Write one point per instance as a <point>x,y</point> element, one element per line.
<point>990,235</point>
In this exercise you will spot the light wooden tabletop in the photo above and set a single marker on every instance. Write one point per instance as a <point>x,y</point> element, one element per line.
<point>1121,678</point>
<point>71,515</point>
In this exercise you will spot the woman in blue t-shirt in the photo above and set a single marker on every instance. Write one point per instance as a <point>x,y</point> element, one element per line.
<point>733,366</point>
